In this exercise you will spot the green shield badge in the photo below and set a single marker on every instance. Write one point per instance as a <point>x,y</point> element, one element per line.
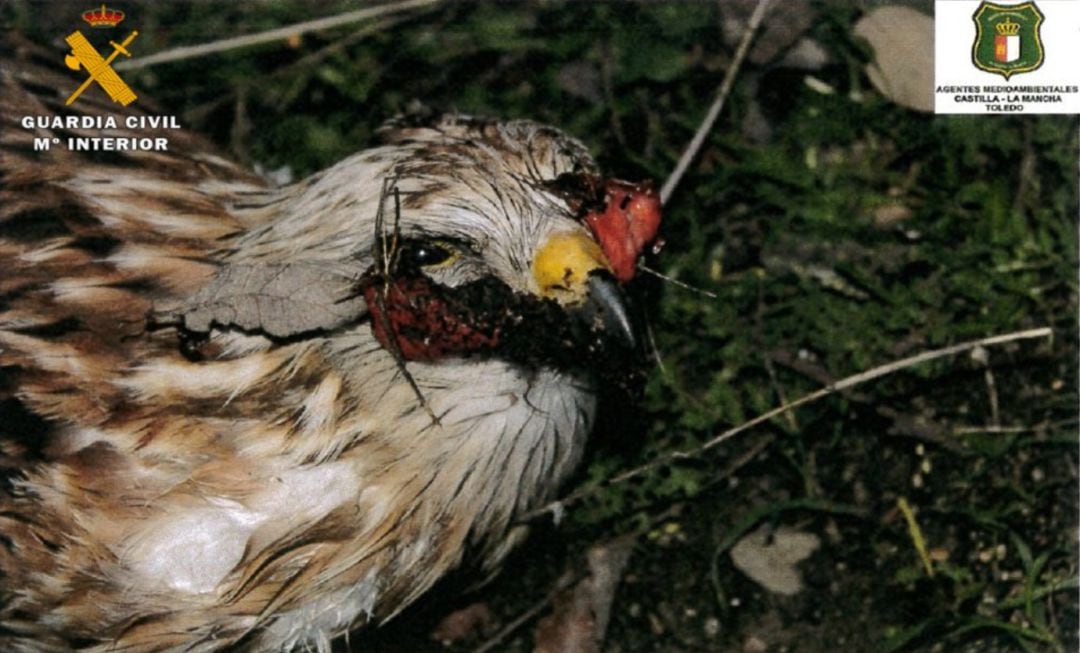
<point>1007,39</point>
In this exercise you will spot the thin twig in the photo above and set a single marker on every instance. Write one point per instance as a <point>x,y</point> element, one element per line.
<point>714,111</point>
<point>655,349</point>
<point>843,384</point>
<point>1019,428</point>
<point>982,358</point>
<point>903,424</point>
<point>386,253</point>
<point>682,284</point>
<point>296,29</point>
<point>994,429</point>
<point>201,111</point>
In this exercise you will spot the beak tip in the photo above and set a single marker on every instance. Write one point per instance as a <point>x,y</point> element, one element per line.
<point>606,308</point>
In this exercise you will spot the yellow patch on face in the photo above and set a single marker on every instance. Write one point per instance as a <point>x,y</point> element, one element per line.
<point>562,266</point>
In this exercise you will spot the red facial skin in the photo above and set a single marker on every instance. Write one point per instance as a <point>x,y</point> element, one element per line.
<point>427,324</point>
<point>629,221</point>
<point>431,322</point>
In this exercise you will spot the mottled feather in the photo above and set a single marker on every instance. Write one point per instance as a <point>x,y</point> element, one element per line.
<point>277,482</point>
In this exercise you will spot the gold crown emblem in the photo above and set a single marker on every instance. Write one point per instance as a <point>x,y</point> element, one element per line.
<point>103,17</point>
<point>1007,27</point>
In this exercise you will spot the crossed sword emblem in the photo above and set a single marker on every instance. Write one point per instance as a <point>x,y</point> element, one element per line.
<point>83,54</point>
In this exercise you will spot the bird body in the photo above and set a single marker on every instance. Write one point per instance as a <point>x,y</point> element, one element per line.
<point>205,441</point>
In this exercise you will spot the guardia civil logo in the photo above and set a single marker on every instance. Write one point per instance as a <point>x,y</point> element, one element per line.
<point>85,56</point>
<point>1007,39</point>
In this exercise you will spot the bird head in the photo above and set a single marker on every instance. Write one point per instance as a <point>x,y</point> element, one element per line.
<point>462,237</point>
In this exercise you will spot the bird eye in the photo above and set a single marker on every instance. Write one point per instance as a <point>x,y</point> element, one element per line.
<point>427,254</point>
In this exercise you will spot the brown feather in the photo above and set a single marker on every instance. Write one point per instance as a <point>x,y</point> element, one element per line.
<point>252,490</point>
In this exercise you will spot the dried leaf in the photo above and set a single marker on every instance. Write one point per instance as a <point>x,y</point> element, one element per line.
<point>770,561</point>
<point>579,621</point>
<point>903,43</point>
<point>279,300</point>
<point>465,624</point>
